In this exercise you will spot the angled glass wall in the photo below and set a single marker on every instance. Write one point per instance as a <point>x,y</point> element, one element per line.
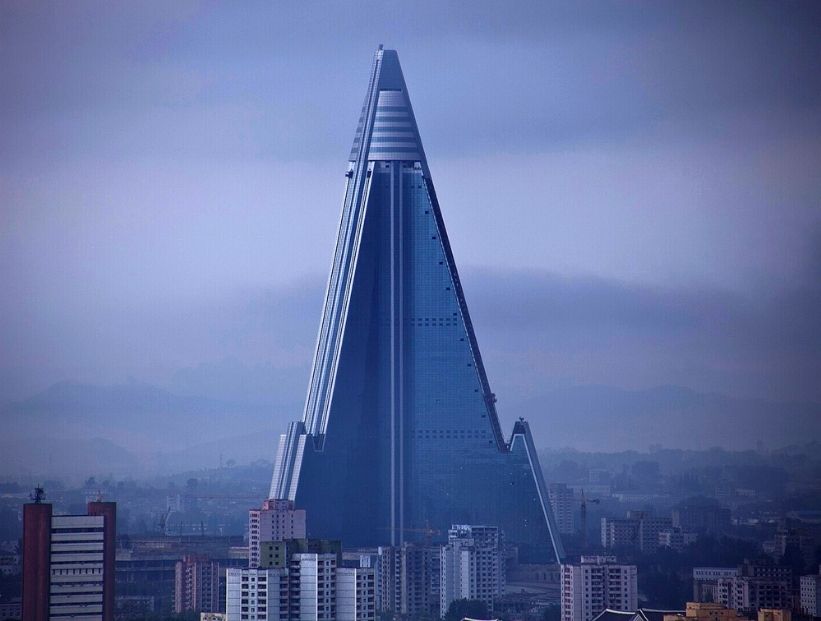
<point>400,434</point>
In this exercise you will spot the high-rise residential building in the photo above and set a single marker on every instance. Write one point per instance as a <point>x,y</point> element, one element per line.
<point>68,562</point>
<point>355,594</point>
<point>472,566</point>
<point>274,521</point>
<point>563,504</point>
<point>257,594</point>
<point>595,584</point>
<point>810,594</point>
<point>409,579</point>
<point>196,585</point>
<point>301,585</point>
<point>400,431</point>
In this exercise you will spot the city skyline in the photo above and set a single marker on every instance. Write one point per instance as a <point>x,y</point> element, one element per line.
<point>569,311</point>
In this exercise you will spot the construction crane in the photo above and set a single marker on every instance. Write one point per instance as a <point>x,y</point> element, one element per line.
<point>584,502</point>
<point>163,520</point>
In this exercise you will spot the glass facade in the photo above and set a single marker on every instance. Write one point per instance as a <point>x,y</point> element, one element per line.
<point>400,434</point>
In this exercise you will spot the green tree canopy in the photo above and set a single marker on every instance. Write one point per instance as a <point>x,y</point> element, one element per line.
<point>471,608</point>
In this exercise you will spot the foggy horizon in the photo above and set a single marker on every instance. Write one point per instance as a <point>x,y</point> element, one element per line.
<point>631,192</point>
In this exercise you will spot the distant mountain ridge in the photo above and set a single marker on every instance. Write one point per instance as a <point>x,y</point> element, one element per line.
<point>140,428</point>
<point>595,418</point>
<point>141,418</point>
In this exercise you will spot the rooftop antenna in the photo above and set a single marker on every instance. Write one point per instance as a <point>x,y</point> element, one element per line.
<point>38,495</point>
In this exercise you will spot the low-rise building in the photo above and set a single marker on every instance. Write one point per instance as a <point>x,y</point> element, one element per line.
<point>706,611</point>
<point>774,614</point>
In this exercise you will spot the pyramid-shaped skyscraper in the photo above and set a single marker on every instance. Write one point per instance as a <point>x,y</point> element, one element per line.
<point>400,435</point>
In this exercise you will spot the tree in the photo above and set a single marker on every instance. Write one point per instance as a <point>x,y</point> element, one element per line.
<point>471,608</point>
<point>552,613</point>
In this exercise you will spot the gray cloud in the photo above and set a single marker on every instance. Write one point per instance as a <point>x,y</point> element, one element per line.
<point>642,178</point>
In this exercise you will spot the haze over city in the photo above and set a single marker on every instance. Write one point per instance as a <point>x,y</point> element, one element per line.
<point>529,332</point>
<point>631,192</point>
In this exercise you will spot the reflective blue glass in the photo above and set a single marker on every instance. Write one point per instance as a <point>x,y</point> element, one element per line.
<point>400,434</point>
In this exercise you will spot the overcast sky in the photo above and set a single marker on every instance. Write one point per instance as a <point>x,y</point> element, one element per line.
<point>632,190</point>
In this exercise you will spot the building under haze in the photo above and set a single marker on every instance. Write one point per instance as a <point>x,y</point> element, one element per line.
<point>597,583</point>
<point>400,432</point>
<point>68,563</point>
<point>196,585</point>
<point>274,521</point>
<point>301,580</point>
<point>472,566</point>
<point>408,579</point>
<point>563,504</point>
<point>810,594</point>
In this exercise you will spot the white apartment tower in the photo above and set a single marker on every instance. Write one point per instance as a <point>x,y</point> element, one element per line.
<point>472,566</point>
<point>276,520</point>
<point>311,588</point>
<point>355,594</point>
<point>256,594</point>
<point>596,583</point>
